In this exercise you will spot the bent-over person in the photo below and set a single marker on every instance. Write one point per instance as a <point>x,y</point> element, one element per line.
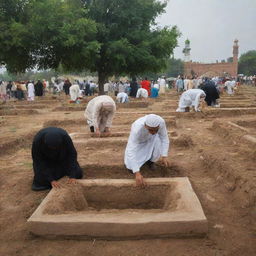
<point>148,142</point>
<point>54,156</point>
<point>99,114</point>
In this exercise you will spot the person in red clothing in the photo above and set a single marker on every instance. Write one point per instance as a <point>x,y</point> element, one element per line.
<point>146,85</point>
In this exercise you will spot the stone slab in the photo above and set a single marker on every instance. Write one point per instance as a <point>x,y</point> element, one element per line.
<point>186,218</point>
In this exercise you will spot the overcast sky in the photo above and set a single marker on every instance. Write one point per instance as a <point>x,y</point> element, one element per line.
<point>211,26</point>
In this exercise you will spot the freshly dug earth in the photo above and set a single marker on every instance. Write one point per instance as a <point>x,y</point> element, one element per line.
<point>221,170</point>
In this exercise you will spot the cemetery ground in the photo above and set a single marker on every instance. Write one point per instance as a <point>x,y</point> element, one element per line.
<point>215,149</point>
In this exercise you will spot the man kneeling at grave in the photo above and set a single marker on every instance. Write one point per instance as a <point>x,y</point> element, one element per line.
<point>99,114</point>
<point>54,156</point>
<point>147,143</point>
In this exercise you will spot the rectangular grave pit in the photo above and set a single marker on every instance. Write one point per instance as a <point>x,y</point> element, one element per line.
<point>116,209</point>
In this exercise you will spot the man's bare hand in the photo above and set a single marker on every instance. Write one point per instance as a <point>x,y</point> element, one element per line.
<point>165,161</point>
<point>139,180</point>
<point>97,132</point>
<point>72,181</point>
<point>55,184</point>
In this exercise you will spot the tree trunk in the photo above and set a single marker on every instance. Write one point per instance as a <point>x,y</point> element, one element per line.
<point>102,79</point>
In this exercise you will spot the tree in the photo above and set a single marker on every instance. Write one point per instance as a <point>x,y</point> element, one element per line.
<point>247,63</point>
<point>45,33</point>
<point>113,37</point>
<point>130,42</point>
<point>175,67</point>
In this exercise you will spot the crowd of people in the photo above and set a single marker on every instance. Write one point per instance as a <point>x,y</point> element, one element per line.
<point>21,90</point>
<point>53,152</point>
<point>196,91</point>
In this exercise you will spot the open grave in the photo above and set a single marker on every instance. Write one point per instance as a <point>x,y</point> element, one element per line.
<point>109,209</point>
<point>241,131</point>
<point>119,171</point>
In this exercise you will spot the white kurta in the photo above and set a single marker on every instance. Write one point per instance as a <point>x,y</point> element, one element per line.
<point>74,92</point>
<point>229,87</point>
<point>162,85</point>
<point>31,91</point>
<point>96,116</point>
<point>142,93</point>
<point>186,82</point>
<point>122,97</point>
<point>143,146</point>
<point>190,98</point>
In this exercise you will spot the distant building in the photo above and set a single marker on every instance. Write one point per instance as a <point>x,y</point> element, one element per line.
<point>211,69</point>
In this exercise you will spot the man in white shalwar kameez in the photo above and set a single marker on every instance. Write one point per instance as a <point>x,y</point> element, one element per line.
<point>74,92</point>
<point>142,93</point>
<point>147,143</point>
<point>230,85</point>
<point>31,91</point>
<point>99,114</point>
<point>190,98</point>
<point>122,97</point>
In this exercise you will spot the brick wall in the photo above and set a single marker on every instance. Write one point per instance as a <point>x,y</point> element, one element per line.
<point>216,68</point>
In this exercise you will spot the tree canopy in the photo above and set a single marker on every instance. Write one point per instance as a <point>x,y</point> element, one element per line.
<point>175,67</point>
<point>247,63</point>
<point>111,37</point>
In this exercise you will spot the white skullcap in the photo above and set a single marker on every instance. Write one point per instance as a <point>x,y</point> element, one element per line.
<point>153,120</point>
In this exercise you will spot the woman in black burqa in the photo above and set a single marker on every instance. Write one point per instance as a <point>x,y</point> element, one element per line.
<point>54,156</point>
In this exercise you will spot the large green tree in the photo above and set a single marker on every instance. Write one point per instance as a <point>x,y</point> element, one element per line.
<point>110,37</point>
<point>45,33</point>
<point>130,41</point>
<point>247,63</point>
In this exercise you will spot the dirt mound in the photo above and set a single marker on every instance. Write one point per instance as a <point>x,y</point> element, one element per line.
<point>68,198</point>
<point>75,108</point>
<point>15,112</point>
<point>12,145</point>
<point>184,141</point>
<point>121,172</point>
<point>67,122</point>
<point>133,105</point>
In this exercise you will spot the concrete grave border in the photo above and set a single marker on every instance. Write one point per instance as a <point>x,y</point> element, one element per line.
<point>186,220</point>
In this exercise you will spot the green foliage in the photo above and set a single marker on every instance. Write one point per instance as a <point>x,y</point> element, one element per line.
<point>44,33</point>
<point>247,63</point>
<point>113,37</point>
<point>174,68</point>
<point>130,42</point>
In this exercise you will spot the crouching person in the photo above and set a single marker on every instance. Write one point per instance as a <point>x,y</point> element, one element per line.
<point>148,142</point>
<point>99,114</point>
<point>54,156</point>
<point>191,98</point>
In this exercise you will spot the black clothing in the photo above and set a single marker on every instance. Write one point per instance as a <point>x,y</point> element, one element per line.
<point>211,92</point>
<point>66,87</point>
<point>87,90</point>
<point>19,94</point>
<point>39,88</point>
<point>54,156</point>
<point>134,88</point>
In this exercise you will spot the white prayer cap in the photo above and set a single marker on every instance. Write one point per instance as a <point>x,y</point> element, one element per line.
<point>153,120</point>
